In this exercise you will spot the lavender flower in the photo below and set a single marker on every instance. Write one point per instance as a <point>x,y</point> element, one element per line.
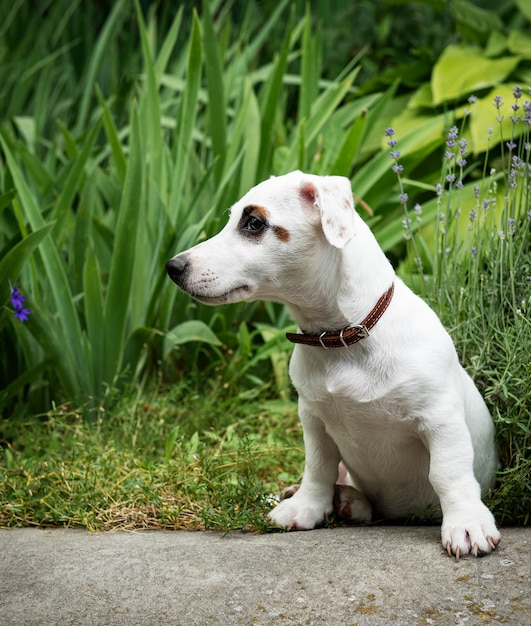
<point>17,300</point>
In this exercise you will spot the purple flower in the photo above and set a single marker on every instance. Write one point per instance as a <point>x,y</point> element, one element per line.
<point>398,169</point>
<point>498,102</point>
<point>403,197</point>
<point>17,300</point>
<point>517,92</point>
<point>389,132</point>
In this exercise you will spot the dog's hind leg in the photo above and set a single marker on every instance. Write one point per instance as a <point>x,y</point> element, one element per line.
<point>349,503</point>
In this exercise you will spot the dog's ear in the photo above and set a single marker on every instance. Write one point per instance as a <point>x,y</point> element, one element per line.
<point>328,200</point>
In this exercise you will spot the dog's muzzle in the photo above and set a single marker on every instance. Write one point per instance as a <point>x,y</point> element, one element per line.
<point>177,268</point>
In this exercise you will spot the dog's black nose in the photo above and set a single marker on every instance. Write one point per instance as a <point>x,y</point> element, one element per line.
<point>176,268</point>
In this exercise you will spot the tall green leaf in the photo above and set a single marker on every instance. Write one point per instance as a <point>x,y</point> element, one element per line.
<point>71,341</point>
<point>216,91</point>
<point>118,297</point>
<point>186,122</point>
<point>97,58</point>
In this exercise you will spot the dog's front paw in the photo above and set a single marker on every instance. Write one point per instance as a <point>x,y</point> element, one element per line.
<point>470,532</point>
<point>299,512</point>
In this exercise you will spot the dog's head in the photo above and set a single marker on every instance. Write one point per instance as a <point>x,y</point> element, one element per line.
<point>277,236</point>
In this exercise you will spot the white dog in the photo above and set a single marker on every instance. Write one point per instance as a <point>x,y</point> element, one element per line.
<point>382,395</point>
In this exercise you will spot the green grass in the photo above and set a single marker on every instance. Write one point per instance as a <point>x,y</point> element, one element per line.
<point>145,466</point>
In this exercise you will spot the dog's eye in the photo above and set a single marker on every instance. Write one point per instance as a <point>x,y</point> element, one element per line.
<point>254,224</point>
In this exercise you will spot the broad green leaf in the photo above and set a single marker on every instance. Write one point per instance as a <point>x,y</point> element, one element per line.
<point>490,126</point>
<point>525,8</point>
<point>519,43</point>
<point>462,70</point>
<point>190,331</point>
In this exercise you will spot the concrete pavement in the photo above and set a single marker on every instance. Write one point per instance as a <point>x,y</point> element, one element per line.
<point>342,576</point>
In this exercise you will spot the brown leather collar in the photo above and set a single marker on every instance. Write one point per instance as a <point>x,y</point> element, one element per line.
<point>349,335</point>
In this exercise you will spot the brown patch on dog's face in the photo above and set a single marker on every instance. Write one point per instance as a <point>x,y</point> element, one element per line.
<point>281,233</point>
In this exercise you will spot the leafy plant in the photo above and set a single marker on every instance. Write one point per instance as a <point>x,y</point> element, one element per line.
<point>87,230</point>
<point>477,276</point>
